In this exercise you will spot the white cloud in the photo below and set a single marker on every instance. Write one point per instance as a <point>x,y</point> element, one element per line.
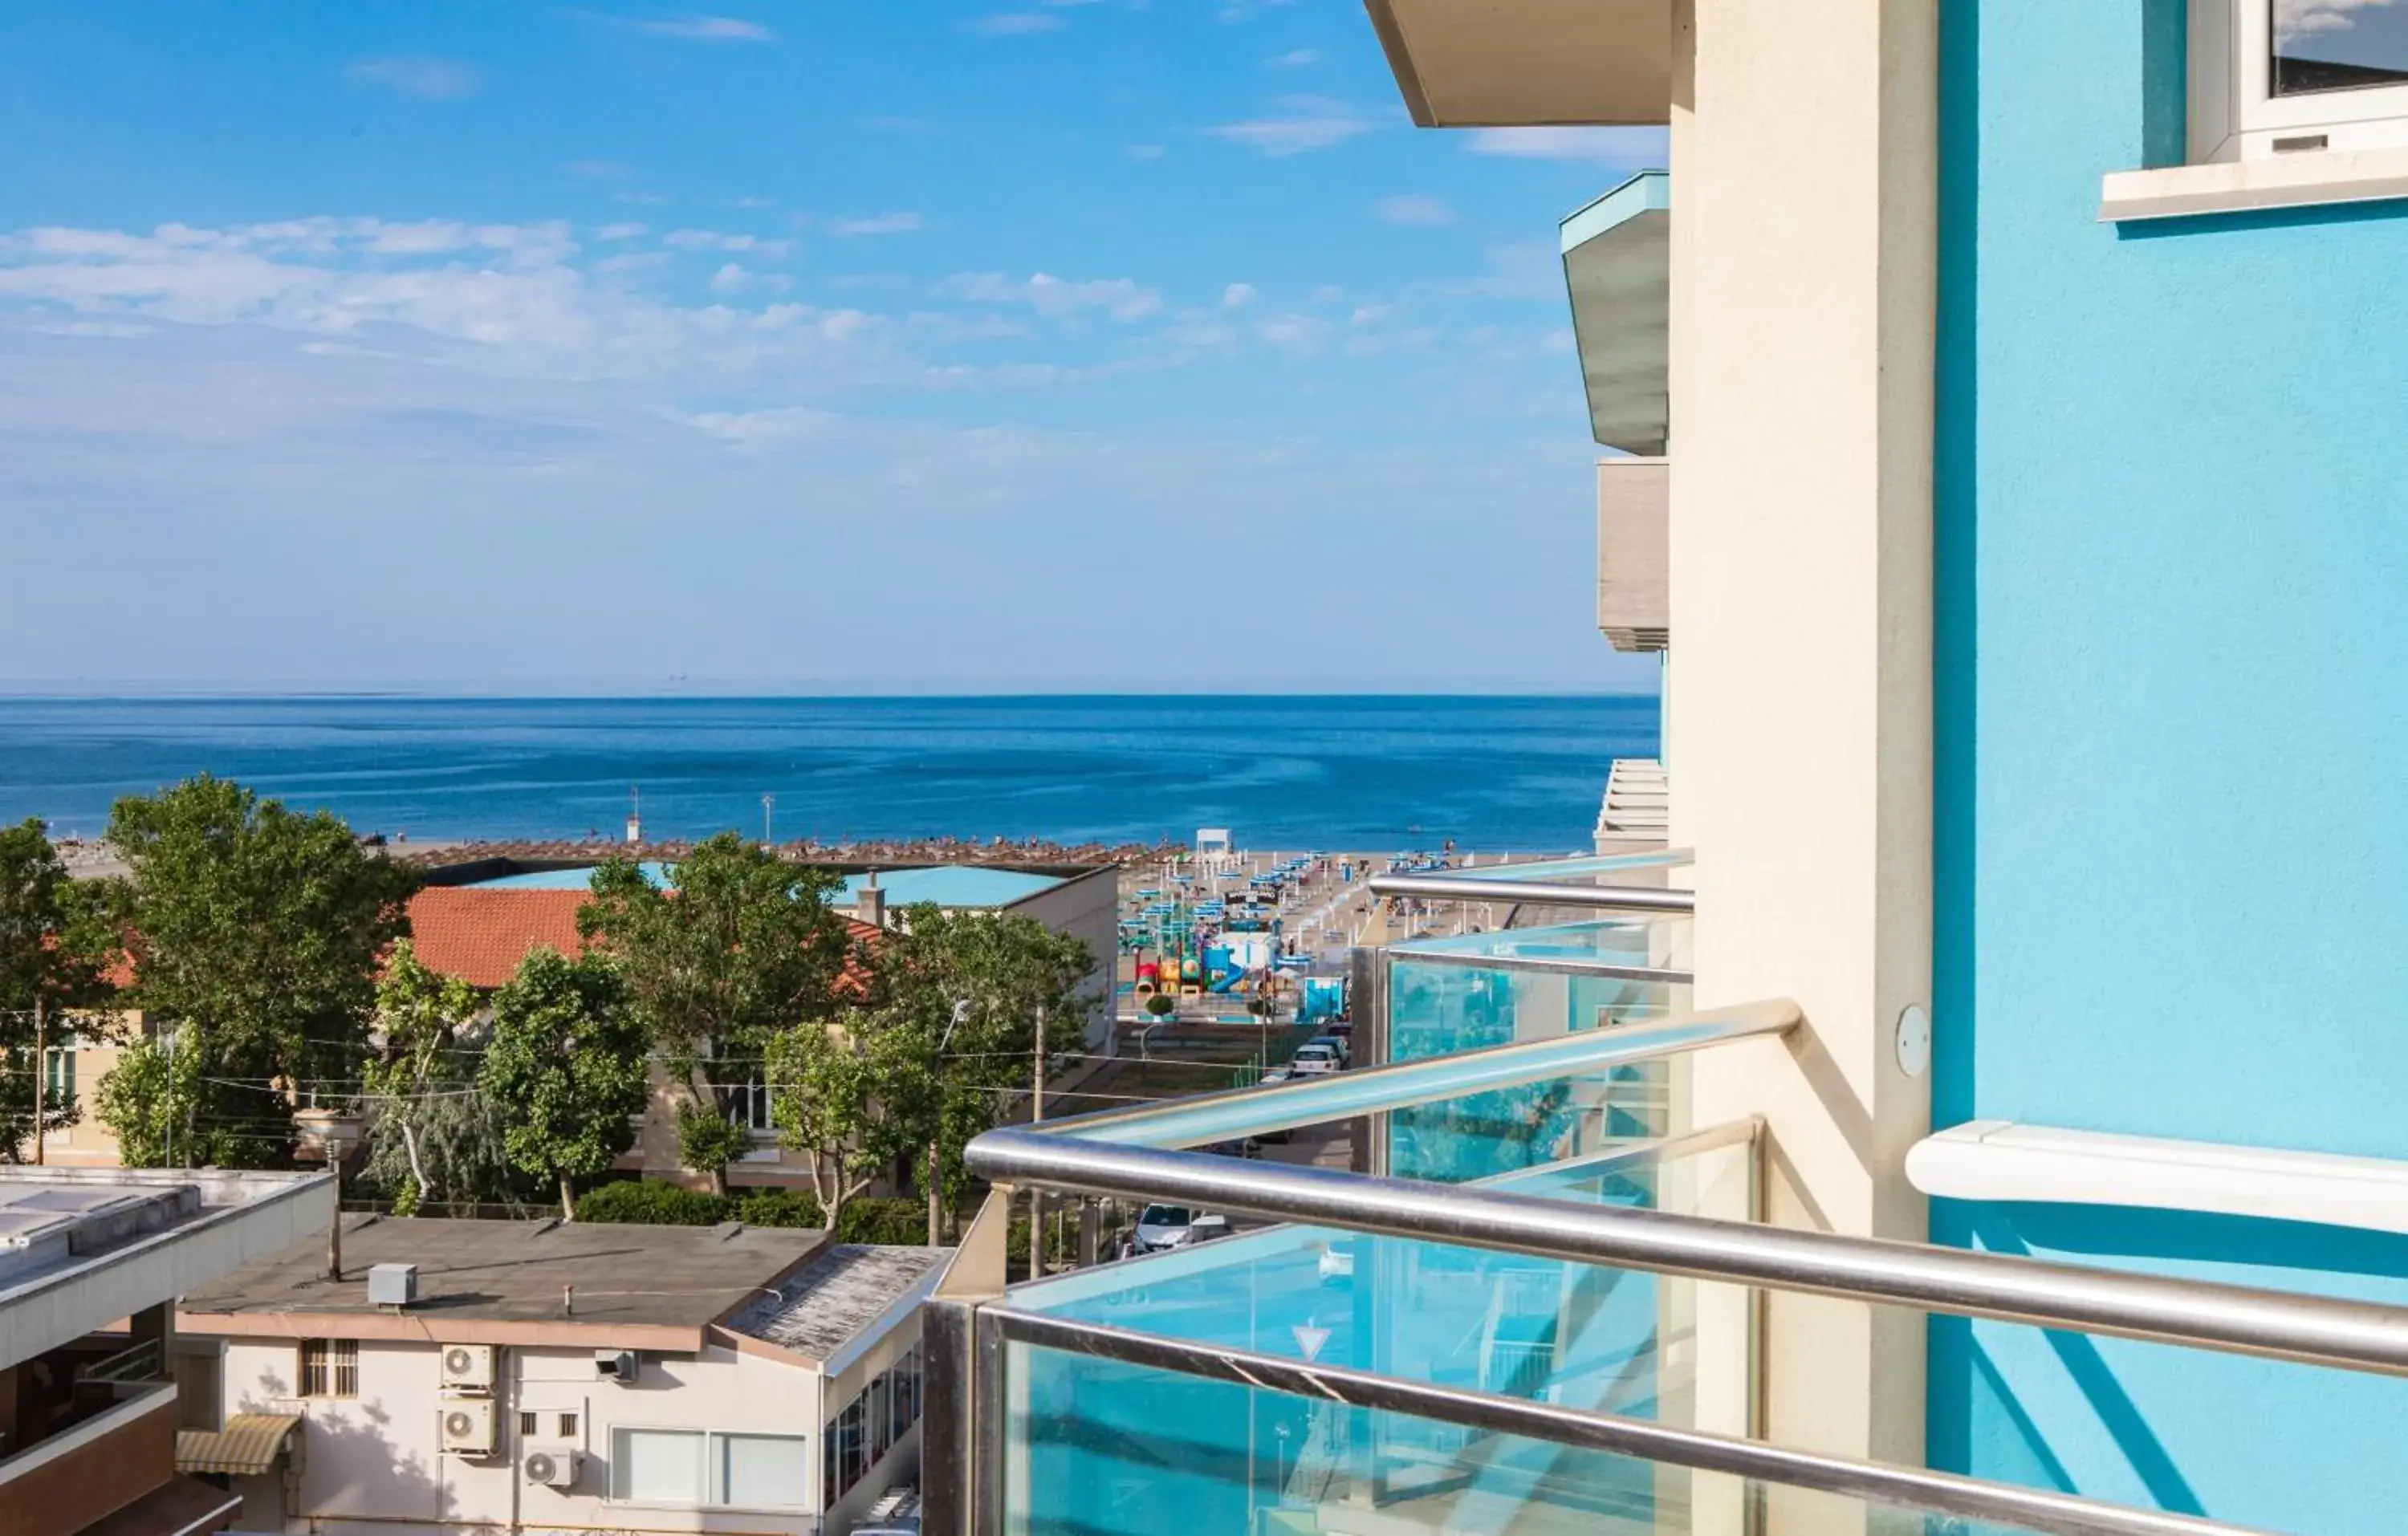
<point>1294,59</point>
<point>426,238</point>
<point>1014,23</point>
<point>435,79</point>
<point>1307,124</point>
<point>1237,295</point>
<point>2300,18</point>
<point>1622,146</point>
<point>1054,297</point>
<point>1414,209</point>
<point>621,232</point>
<point>1302,334</point>
<point>1366,314</point>
<point>881,223</point>
<point>731,278</point>
<point>713,239</point>
<point>708,29</point>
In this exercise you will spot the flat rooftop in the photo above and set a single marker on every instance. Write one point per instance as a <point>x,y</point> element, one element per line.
<point>833,1300</point>
<point>956,885</point>
<point>959,885</point>
<point>503,1281</point>
<point>82,1246</point>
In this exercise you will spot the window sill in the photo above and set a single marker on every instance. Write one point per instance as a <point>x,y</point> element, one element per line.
<point>2249,186</point>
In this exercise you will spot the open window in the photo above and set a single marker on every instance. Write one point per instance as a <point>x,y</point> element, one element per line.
<point>2285,77</point>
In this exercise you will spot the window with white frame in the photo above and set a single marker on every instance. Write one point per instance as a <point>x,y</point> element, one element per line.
<point>716,1468</point>
<point>2276,76</point>
<point>746,1101</point>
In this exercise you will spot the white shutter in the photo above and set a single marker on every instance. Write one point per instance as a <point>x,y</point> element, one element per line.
<point>763,1472</point>
<point>656,1465</point>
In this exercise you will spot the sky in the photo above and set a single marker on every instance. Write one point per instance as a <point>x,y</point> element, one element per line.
<point>811,346</point>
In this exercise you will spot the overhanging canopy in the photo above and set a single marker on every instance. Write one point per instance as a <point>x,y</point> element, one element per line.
<point>1617,264</point>
<point>1475,63</point>
<point>248,1445</point>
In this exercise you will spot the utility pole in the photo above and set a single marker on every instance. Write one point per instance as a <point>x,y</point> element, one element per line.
<point>41,1077</point>
<point>1036,1193</point>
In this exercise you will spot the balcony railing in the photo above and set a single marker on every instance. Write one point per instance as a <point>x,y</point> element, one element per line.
<point>1574,1339</point>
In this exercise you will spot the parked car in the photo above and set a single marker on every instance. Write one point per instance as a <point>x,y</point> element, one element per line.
<point>1247,1147</point>
<point>1345,1050</point>
<point>1315,1061</point>
<point>896,1513</point>
<point>1163,1227</point>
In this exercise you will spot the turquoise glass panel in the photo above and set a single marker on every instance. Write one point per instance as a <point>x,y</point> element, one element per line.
<point>1442,1007</point>
<point>1094,1447</point>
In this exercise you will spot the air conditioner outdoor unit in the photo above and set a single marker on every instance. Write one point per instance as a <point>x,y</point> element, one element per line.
<point>468,1426</point>
<point>618,1365</point>
<point>468,1368</point>
<point>553,1466</point>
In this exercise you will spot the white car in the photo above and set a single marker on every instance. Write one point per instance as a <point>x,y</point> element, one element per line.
<point>1314,1061</point>
<point>1160,1227</point>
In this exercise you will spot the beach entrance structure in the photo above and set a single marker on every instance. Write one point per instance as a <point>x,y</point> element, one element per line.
<point>1215,850</point>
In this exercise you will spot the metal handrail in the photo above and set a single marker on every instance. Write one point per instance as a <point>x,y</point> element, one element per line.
<point>2241,1320</point>
<point>1906,1488</point>
<point>1305,1101</point>
<point>1640,900</point>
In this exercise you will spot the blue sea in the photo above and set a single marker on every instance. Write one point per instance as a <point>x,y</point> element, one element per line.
<point>1361,772</point>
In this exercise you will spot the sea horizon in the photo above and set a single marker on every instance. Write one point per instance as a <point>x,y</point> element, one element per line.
<point>1494,772</point>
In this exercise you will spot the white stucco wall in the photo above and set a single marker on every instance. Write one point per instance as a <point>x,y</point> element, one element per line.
<point>372,1463</point>
<point>1803,270</point>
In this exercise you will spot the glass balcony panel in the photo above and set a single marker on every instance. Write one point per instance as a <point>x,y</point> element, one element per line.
<point>1661,1348</point>
<point>1487,989</point>
<point>1094,1445</point>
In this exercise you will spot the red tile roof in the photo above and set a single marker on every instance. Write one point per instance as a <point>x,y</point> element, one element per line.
<point>480,934</point>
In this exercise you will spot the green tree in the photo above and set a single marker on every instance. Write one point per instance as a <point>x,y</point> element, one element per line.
<point>963,993</point>
<point>256,931</point>
<point>857,1097</point>
<point>149,1099</point>
<point>432,1135</point>
<point>566,1069</point>
<point>740,946</point>
<point>56,942</point>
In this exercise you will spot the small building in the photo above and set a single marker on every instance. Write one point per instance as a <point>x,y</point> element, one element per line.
<point>94,1384</point>
<point>550,1375</point>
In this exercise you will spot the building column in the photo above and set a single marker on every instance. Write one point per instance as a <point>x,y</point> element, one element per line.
<point>1804,272</point>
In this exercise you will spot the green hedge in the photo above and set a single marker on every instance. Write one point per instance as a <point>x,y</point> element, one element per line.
<point>648,1202</point>
<point>651,1203</point>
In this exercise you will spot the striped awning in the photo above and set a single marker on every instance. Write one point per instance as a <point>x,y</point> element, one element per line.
<point>247,1445</point>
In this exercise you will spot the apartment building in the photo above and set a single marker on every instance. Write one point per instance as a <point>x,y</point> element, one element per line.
<point>93,1381</point>
<point>2029,529</point>
<point>548,1376</point>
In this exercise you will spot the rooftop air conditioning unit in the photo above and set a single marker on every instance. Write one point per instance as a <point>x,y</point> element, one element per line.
<point>616,1365</point>
<point>468,1426</point>
<point>467,1367</point>
<point>392,1285</point>
<point>553,1466</point>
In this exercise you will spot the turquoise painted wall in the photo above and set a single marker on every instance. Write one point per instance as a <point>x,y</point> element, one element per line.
<point>2172,750</point>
